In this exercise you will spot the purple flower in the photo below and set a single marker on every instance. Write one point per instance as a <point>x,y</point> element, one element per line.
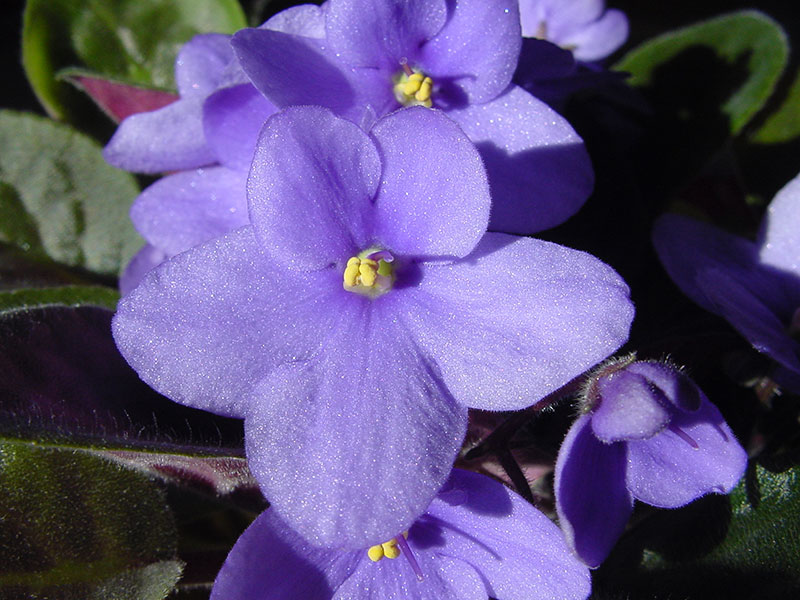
<point>583,27</point>
<point>648,433</point>
<point>755,286</point>
<point>361,313</point>
<point>476,539</point>
<point>379,55</point>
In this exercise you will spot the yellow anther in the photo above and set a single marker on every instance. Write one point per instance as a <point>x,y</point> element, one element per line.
<point>413,84</point>
<point>390,549</point>
<point>371,277</point>
<point>368,271</point>
<point>413,88</point>
<point>424,93</point>
<point>375,553</point>
<point>351,272</point>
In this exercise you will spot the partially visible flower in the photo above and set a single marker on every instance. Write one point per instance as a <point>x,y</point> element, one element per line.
<point>647,433</point>
<point>755,286</point>
<point>476,540</point>
<point>584,27</point>
<point>458,57</point>
<point>361,312</point>
<point>209,134</point>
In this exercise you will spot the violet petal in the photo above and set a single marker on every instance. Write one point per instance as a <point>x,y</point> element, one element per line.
<point>477,49</point>
<point>592,501</point>
<point>631,408</point>
<point>434,198</point>
<point>352,446</point>
<point>311,186</point>
<point>669,472</point>
<point>516,319</point>
<point>539,171</point>
<point>188,208</point>
<point>205,348</point>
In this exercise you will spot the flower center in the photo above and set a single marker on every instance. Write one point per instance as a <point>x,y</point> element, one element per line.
<point>370,273</point>
<point>412,87</point>
<point>394,548</point>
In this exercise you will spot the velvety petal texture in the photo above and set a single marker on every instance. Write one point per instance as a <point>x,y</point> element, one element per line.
<point>756,287</point>
<point>648,433</point>
<point>672,469</point>
<point>527,148</point>
<point>429,204</point>
<point>780,241</point>
<point>378,33</point>
<point>186,209</point>
<point>516,319</point>
<point>351,447</point>
<point>204,326</point>
<point>294,69</point>
<point>477,49</point>
<point>592,500</point>
<point>232,120</point>
<point>311,188</point>
<point>477,539</point>
<point>171,138</point>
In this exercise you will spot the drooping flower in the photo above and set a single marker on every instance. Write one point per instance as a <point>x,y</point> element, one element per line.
<point>361,313</point>
<point>755,286</point>
<point>648,433</point>
<point>379,55</point>
<point>584,27</point>
<point>475,540</point>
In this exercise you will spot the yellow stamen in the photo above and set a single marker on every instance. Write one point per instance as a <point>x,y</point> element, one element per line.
<point>385,550</point>
<point>413,88</point>
<point>367,276</point>
<point>375,553</point>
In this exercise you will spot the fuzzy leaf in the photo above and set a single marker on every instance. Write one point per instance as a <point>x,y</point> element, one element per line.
<point>67,196</point>
<point>65,296</point>
<point>65,382</point>
<point>75,526</point>
<point>743,53</point>
<point>135,41</point>
<point>784,124</point>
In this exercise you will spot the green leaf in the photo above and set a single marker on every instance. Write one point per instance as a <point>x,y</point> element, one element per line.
<point>69,295</point>
<point>784,124</point>
<point>16,225</point>
<point>76,526</point>
<point>68,200</point>
<point>743,55</point>
<point>135,41</point>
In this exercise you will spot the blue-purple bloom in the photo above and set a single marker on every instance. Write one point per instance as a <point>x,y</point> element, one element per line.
<point>475,540</point>
<point>754,285</point>
<point>361,312</point>
<point>648,433</point>
<point>584,27</point>
<point>376,56</point>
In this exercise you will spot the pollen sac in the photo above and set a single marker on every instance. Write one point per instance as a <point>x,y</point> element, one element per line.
<point>385,550</point>
<point>413,88</point>
<point>370,273</point>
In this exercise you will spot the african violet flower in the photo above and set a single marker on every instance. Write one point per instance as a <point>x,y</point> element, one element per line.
<point>649,433</point>
<point>476,539</point>
<point>755,286</point>
<point>584,27</point>
<point>361,313</point>
<point>379,55</point>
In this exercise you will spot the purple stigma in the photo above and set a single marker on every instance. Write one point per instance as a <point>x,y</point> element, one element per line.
<point>684,436</point>
<point>406,550</point>
<point>383,255</point>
